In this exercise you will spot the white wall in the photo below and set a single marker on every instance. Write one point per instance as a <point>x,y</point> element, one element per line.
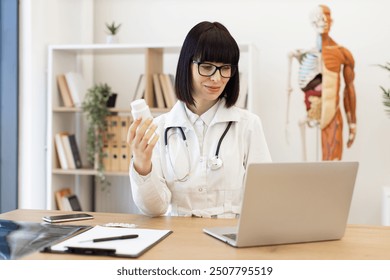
<point>275,27</point>
<point>42,22</point>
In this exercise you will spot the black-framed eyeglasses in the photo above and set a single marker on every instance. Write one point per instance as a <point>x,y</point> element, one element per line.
<point>208,69</point>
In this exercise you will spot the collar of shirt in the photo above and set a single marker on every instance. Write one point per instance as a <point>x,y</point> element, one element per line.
<point>207,117</point>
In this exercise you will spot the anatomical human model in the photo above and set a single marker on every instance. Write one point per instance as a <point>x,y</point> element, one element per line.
<point>320,69</point>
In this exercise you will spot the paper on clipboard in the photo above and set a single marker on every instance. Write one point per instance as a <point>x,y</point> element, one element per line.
<point>123,248</point>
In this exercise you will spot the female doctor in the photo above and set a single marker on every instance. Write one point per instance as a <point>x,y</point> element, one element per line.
<point>192,160</point>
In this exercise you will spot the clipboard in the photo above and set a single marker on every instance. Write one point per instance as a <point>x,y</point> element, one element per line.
<point>127,248</point>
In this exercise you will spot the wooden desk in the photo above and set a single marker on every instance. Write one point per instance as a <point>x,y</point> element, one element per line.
<point>188,241</point>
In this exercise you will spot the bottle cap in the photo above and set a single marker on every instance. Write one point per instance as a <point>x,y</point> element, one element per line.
<point>138,105</point>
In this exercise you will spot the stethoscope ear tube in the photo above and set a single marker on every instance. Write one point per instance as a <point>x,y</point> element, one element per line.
<point>185,177</point>
<point>166,134</point>
<point>221,139</point>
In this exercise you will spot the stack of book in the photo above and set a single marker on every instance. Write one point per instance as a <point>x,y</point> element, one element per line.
<point>163,93</point>
<point>116,152</point>
<point>72,88</point>
<point>66,200</point>
<point>67,150</point>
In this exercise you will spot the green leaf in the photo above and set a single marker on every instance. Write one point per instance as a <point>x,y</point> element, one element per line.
<point>95,108</point>
<point>386,93</point>
<point>113,28</point>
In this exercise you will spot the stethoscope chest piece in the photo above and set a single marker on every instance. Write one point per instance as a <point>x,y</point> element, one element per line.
<point>215,163</point>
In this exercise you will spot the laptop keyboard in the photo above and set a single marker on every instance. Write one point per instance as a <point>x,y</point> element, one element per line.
<point>232,236</point>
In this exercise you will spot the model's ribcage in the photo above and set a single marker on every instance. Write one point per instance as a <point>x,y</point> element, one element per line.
<point>309,68</point>
<point>310,79</point>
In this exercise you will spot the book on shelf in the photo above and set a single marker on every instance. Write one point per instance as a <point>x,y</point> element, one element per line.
<point>64,91</point>
<point>106,133</point>
<point>113,128</point>
<point>66,200</point>
<point>160,102</point>
<point>107,137</point>
<point>124,160</point>
<point>149,96</point>
<point>68,151</point>
<point>59,195</point>
<point>171,85</point>
<point>115,162</point>
<point>71,203</point>
<point>124,123</point>
<point>75,151</point>
<point>164,90</point>
<point>162,93</point>
<point>168,89</point>
<point>72,151</point>
<point>140,89</point>
<point>111,136</point>
<point>124,149</point>
<point>77,87</point>
<point>115,149</point>
<point>106,161</point>
<point>61,150</point>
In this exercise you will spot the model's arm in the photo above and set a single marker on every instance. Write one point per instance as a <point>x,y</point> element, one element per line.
<point>293,54</point>
<point>297,54</point>
<point>349,95</point>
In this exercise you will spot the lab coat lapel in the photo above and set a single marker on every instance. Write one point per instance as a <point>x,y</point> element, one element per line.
<point>177,117</point>
<point>224,114</point>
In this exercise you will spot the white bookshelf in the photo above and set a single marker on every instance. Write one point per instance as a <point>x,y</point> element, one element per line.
<point>118,65</point>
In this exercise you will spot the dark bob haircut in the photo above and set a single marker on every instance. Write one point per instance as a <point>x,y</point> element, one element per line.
<point>207,41</point>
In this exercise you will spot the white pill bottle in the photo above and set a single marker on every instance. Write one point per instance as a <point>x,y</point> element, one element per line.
<point>139,109</point>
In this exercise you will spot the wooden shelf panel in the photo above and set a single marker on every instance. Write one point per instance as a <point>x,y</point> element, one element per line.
<point>155,111</point>
<point>87,172</point>
<point>114,48</point>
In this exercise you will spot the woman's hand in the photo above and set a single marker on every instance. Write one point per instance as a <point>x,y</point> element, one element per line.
<point>142,139</point>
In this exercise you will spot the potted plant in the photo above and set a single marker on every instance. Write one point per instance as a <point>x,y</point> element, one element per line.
<point>96,110</point>
<point>112,30</point>
<point>386,93</point>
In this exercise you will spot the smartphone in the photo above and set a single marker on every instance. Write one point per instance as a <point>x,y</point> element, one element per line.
<point>67,218</point>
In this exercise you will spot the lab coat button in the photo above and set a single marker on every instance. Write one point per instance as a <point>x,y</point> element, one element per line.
<point>200,189</point>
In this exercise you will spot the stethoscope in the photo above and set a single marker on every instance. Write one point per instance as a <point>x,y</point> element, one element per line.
<point>214,163</point>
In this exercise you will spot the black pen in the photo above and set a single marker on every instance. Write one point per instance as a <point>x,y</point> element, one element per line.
<point>130,236</point>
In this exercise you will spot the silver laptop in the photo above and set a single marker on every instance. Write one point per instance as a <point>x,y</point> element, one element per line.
<point>292,203</point>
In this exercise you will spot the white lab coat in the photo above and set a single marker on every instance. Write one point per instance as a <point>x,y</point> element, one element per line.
<point>206,192</point>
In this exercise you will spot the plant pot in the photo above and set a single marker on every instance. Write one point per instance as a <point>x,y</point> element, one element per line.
<point>111,100</point>
<point>112,39</point>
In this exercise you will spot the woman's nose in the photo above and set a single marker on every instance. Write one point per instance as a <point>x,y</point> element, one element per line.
<point>216,76</point>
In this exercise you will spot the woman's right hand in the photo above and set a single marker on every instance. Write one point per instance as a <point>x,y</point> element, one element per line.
<point>142,139</point>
